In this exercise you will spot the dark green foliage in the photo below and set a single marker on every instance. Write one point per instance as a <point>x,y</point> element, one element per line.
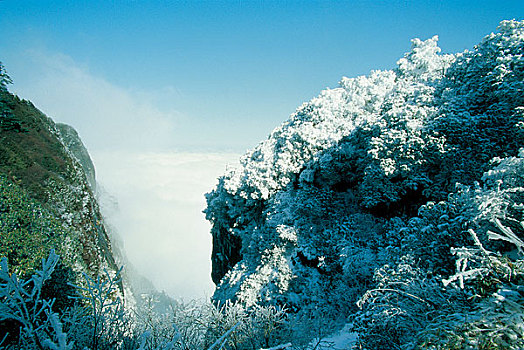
<point>59,287</point>
<point>27,230</point>
<point>8,122</point>
<point>29,150</point>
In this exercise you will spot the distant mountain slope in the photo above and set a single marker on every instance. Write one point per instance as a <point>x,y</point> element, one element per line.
<point>46,193</point>
<point>75,145</point>
<point>365,190</point>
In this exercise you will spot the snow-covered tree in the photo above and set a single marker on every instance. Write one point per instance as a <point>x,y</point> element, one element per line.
<point>355,197</point>
<point>4,78</point>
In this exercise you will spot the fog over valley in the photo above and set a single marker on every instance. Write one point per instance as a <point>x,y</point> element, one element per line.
<point>157,214</point>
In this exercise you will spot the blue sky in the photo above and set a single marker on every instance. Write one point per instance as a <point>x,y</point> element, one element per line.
<point>166,93</point>
<point>232,70</point>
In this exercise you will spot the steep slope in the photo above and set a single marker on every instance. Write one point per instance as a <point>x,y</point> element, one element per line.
<point>46,199</point>
<point>360,186</point>
<point>75,145</point>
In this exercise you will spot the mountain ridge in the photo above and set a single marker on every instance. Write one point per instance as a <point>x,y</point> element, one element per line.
<point>48,165</point>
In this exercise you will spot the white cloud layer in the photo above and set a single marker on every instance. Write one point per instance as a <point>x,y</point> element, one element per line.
<point>159,216</point>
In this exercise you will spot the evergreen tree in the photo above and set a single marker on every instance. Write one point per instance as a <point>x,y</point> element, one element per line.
<point>4,78</point>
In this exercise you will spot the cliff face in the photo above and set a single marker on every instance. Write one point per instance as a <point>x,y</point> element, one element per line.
<point>75,145</point>
<point>46,194</point>
<point>366,175</point>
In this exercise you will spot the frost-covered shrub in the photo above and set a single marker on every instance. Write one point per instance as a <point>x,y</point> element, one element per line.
<point>489,79</point>
<point>396,164</point>
<point>454,293</point>
<point>495,318</point>
<point>403,300</point>
<point>4,78</point>
<point>202,325</point>
<point>98,320</point>
<point>34,320</point>
<point>429,236</point>
<point>23,307</point>
<point>481,105</point>
<point>103,310</point>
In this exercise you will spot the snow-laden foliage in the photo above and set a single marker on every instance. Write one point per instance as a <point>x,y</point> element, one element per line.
<point>4,78</point>
<point>23,306</point>
<point>98,319</point>
<point>374,190</point>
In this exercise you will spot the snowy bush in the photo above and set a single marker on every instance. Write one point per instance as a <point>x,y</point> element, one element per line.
<point>4,78</point>
<point>454,293</point>
<point>402,301</point>
<point>367,191</point>
<point>104,310</point>
<point>99,320</point>
<point>495,316</point>
<point>22,304</point>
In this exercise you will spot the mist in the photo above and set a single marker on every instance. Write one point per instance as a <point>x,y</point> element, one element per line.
<point>156,187</point>
<point>159,214</point>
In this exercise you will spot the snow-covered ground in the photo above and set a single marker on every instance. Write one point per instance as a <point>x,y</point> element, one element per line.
<point>341,340</point>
